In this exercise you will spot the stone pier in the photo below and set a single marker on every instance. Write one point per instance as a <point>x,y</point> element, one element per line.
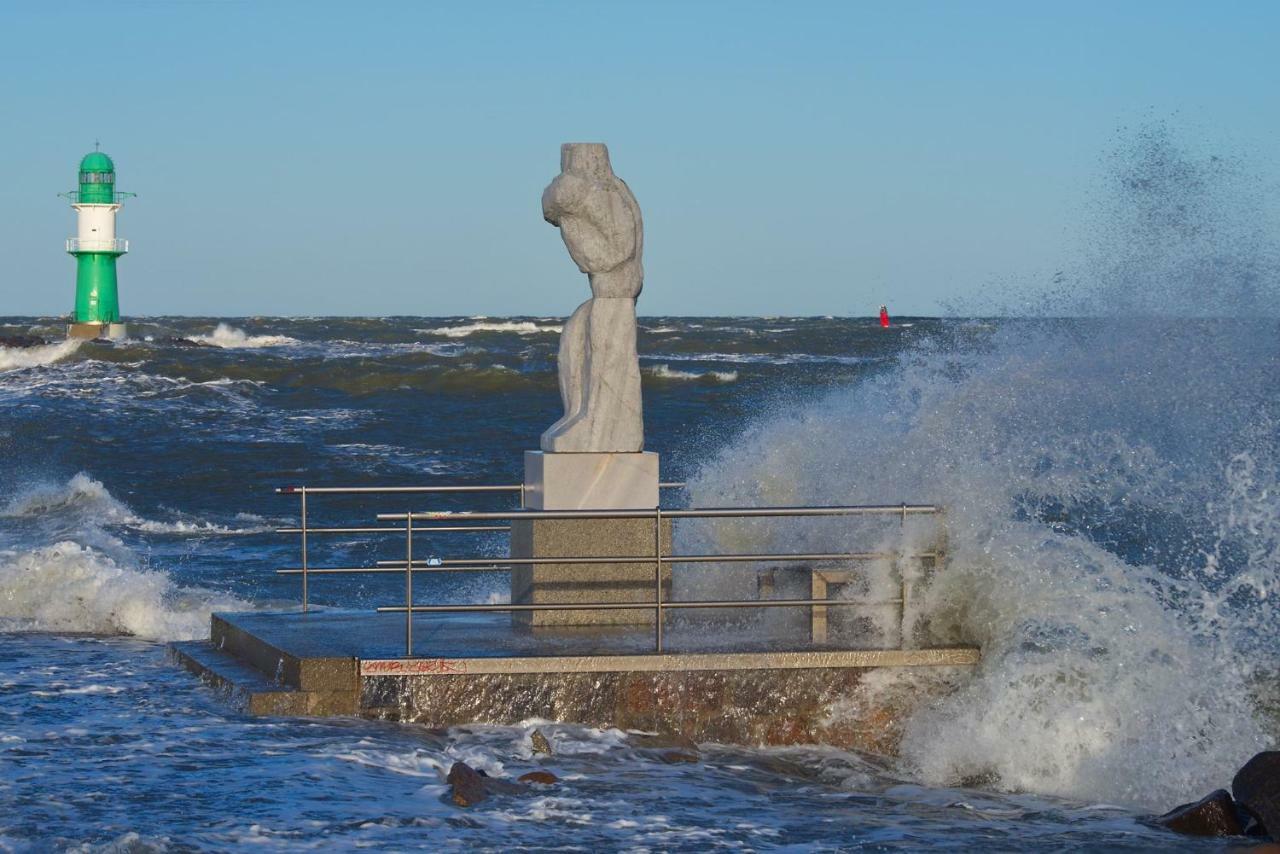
<point>478,668</point>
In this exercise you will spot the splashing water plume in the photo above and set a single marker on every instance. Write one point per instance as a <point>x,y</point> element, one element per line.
<point>1112,520</point>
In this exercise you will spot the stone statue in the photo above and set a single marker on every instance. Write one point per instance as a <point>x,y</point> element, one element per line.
<point>599,370</point>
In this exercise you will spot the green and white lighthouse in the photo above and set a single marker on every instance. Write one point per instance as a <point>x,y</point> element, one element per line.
<point>96,248</point>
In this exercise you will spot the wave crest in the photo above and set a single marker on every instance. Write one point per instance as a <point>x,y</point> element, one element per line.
<point>666,372</point>
<point>15,358</point>
<point>519,327</point>
<point>66,587</point>
<point>229,337</point>
<point>83,496</point>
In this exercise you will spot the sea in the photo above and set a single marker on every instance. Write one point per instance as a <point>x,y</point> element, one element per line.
<point>1112,527</point>
<point>1103,437</point>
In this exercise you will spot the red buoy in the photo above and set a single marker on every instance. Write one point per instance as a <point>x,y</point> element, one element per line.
<point>884,316</point>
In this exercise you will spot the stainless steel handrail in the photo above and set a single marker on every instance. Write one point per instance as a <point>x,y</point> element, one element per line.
<point>400,490</point>
<point>702,513</point>
<point>410,565</point>
<point>490,564</point>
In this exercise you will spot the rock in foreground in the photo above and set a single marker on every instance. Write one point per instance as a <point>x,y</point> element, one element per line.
<point>468,785</point>
<point>1215,815</point>
<point>1257,789</point>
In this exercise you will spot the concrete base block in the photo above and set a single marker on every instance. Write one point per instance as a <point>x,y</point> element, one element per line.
<point>582,583</point>
<point>111,331</point>
<point>590,481</point>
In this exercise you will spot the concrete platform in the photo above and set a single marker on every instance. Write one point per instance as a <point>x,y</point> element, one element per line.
<point>479,668</point>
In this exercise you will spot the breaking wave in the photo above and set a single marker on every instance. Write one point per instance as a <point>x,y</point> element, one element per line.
<point>67,587</point>
<point>518,327</point>
<point>12,358</point>
<point>666,372</point>
<point>88,500</point>
<point>229,337</point>
<point>1112,525</point>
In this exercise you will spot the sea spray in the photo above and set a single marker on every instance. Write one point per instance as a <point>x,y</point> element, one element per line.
<point>1108,669</point>
<point>1112,518</point>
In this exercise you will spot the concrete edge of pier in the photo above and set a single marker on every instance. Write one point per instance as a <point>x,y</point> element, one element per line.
<point>295,665</point>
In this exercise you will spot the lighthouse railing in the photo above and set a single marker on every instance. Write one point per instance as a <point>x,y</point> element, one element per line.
<point>116,198</point>
<point>76,244</point>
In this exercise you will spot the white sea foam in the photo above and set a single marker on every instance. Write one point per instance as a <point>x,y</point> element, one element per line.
<point>66,587</point>
<point>767,358</point>
<point>12,358</point>
<point>518,327</point>
<point>667,372</point>
<point>229,337</point>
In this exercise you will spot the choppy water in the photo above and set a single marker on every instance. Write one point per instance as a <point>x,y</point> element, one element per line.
<point>1112,561</point>
<point>1113,530</point>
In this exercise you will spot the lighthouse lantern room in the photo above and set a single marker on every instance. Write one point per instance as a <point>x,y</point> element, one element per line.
<point>96,248</point>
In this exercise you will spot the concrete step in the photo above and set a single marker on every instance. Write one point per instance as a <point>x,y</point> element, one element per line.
<point>244,686</point>
<point>300,668</point>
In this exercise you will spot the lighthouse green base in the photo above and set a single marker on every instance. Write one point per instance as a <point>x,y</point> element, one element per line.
<point>97,300</point>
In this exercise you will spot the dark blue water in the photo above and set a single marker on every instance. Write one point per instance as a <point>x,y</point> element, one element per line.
<point>1113,528</point>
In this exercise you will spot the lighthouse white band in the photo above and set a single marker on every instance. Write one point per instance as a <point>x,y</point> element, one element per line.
<point>95,223</point>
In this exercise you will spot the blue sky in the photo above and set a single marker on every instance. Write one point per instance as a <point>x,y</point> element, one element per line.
<point>790,158</point>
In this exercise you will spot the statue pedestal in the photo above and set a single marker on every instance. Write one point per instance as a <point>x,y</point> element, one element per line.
<point>587,481</point>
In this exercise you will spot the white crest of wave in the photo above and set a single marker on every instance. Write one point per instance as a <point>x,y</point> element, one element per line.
<point>227,336</point>
<point>518,327</point>
<point>89,500</point>
<point>667,372</point>
<point>13,358</point>
<point>66,587</point>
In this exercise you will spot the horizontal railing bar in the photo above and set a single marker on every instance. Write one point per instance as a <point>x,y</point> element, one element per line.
<point>704,513</point>
<point>735,558</point>
<point>632,606</point>
<point>443,529</point>
<point>497,564</point>
<point>391,490</point>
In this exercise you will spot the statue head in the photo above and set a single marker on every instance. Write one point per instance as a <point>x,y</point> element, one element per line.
<point>589,159</point>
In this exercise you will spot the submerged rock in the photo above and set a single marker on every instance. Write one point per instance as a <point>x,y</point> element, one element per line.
<point>176,341</point>
<point>674,757</point>
<point>545,778</point>
<point>468,785</point>
<point>1214,815</point>
<point>669,748</point>
<point>23,341</point>
<point>1257,790</point>
<point>540,743</point>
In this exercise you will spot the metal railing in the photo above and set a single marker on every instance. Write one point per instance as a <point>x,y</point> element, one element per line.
<point>659,558</point>
<point>76,244</point>
<point>117,197</point>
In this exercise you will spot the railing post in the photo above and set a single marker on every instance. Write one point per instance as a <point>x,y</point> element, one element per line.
<point>303,493</point>
<point>657,583</point>
<point>408,585</point>
<point>902,580</point>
